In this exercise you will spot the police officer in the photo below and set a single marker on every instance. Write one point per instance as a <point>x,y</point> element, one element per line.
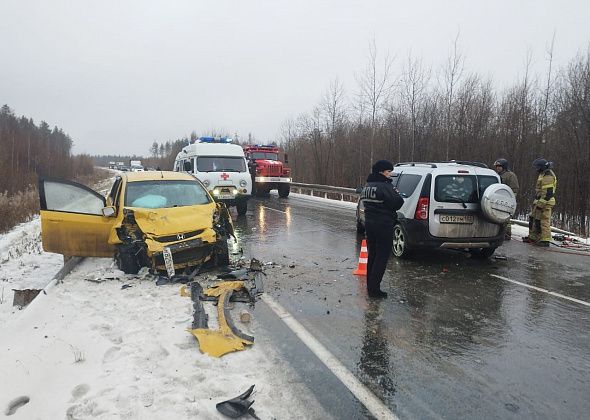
<point>540,217</point>
<point>509,178</point>
<point>381,202</point>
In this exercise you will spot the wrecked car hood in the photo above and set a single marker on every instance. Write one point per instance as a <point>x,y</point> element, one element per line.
<point>173,220</point>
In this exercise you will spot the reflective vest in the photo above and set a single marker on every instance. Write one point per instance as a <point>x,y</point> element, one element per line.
<point>546,180</point>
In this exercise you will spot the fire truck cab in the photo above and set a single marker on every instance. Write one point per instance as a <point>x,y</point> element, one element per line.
<point>221,166</point>
<point>268,171</point>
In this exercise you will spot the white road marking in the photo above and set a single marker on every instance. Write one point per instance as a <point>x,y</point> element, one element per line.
<point>361,392</point>
<point>581,302</point>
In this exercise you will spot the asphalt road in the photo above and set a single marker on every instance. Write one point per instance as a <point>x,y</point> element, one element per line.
<point>457,337</point>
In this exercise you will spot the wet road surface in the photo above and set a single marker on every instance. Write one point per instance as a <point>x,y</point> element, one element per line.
<point>451,341</point>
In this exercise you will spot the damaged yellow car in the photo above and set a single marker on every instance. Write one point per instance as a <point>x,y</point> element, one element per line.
<point>166,221</point>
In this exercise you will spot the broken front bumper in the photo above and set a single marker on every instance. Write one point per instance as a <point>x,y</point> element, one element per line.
<point>184,254</point>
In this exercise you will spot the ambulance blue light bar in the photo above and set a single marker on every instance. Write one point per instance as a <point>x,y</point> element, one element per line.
<point>215,140</point>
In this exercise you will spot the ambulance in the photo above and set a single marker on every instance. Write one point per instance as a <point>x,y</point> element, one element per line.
<point>221,166</point>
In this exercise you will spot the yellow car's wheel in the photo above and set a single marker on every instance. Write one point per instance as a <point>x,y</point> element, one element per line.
<point>126,261</point>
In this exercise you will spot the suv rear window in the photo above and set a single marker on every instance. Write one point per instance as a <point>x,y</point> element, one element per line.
<point>407,183</point>
<point>486,181</point>
<point>461,188</point>
<point>455,189</point>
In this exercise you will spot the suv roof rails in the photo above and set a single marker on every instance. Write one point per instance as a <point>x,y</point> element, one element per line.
<point>432,165</point>
<point>467,162</point>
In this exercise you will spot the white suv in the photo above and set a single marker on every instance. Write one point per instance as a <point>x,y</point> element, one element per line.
<point>454,204</point>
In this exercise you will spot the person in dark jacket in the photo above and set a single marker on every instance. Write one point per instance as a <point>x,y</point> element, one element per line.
<point>381,202</point>
<point>509,178</point>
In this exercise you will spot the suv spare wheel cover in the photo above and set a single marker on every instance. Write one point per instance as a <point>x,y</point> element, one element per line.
<point>498,203</point>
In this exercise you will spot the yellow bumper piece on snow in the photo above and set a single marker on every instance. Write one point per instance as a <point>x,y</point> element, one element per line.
<point>223,287</point>
<point>215,343</point>
<point>227,338</point>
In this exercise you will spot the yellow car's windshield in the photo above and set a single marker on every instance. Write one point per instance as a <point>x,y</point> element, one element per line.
<point>164,194</point>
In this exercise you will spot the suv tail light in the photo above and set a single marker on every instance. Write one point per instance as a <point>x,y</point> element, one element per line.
<point>422,209</point>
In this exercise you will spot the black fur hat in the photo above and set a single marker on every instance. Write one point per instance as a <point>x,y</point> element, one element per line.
<point>382,165</point>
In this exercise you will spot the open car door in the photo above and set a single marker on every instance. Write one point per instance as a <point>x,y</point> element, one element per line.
<point>72,222</point>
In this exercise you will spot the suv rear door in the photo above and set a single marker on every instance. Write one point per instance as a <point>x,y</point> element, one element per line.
<point>455,210</point>
<point>72,222</point>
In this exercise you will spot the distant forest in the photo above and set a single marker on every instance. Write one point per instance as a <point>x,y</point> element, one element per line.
<point>28,150</point>
<point>425,114</point>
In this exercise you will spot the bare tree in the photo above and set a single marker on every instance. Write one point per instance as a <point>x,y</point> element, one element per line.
<point>375,88</point>
<point>414,82</point>
<point>452,72</point>
<point>547,92</point>
<point>335,112</point>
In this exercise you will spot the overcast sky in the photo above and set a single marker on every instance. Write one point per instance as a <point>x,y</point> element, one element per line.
<point>118,75</point>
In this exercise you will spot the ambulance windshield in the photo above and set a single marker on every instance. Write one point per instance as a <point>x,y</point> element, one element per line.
<point>221,164</point>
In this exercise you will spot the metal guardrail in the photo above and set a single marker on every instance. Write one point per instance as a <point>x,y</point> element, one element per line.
<point>325,191</point>
<point>349,194</point>
<point>553,229</point>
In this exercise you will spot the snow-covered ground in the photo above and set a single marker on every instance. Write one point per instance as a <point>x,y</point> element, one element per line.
<point>23,264</point>
<point>88,348</point>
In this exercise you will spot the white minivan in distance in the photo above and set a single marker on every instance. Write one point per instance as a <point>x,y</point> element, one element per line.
<point>221,166</point>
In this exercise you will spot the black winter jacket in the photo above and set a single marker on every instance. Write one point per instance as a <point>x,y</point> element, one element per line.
<point>381,200</point>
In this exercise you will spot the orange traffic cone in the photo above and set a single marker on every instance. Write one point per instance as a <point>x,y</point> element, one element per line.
<point>361,270</point>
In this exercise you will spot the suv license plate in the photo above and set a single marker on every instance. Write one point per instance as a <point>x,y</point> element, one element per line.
<point>451,218</point>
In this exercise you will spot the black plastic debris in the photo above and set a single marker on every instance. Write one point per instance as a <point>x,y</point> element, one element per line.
<point>162,280</point>
<point>178,278</point>
<point>236,274</point>
<point>125,286</point>
<point>238,406</point>
<point>255,265</point>
<point>200,317</point>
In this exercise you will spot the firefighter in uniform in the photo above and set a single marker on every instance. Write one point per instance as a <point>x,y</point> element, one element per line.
<point>509,178</point>
<point>381,202</point>
<point>540,217</point>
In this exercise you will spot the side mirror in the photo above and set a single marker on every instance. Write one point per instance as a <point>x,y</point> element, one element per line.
<point>109,211</point>
<point>286,158</point>
<point>358,190</point>
<point>188,167</point>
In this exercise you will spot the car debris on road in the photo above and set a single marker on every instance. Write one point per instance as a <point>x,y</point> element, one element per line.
<point>245,286</point>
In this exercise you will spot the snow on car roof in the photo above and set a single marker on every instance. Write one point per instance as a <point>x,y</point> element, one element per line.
<point>157,175</point>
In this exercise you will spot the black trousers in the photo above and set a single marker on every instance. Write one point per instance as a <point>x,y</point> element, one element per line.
<point>379,244</point>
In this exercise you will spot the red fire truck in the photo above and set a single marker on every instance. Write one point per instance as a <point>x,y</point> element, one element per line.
<point>268,171</point>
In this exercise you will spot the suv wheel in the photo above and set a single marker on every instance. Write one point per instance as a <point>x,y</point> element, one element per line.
<point>400,246</point>
<point>482,252</point>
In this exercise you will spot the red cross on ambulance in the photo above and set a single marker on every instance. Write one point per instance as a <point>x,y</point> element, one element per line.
<point>224,176</point>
